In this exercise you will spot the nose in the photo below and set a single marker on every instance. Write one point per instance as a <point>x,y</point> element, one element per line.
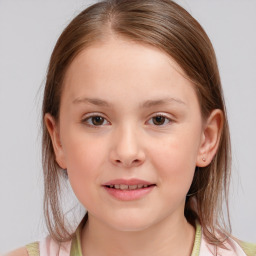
<point>126,148</point>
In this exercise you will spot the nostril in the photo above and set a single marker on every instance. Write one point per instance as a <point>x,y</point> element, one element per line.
<point>132,163</point>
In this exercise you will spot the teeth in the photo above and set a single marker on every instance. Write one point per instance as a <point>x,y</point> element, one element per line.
<point>128,187</point>
<point>133,186</point>
<point>122,186</point>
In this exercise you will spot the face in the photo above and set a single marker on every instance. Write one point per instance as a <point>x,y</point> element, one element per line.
<point>129,134</point>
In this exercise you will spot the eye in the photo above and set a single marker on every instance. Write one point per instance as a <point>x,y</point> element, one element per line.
<point>159,120</point>
<point>95,120</point>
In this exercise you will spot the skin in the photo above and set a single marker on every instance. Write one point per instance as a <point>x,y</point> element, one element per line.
<point>129,85</point>
<point>19,252</point>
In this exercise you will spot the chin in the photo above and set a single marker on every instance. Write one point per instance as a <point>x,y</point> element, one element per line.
<point>130,223</point>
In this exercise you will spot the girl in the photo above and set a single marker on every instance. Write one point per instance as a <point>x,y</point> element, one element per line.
<point>134,117</point>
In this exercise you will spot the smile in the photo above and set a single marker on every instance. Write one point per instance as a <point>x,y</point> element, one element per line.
<point>128,190</point>
<point>128,187</point>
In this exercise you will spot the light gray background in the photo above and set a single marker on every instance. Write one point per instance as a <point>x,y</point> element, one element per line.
<point>28,32</point>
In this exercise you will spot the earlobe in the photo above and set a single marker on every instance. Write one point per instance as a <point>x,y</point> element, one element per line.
<point>210,138</point>
<point>53,131</point>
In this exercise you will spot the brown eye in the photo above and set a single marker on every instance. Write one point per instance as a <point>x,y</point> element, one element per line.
<point>97,120</point>
<point>159,120</point>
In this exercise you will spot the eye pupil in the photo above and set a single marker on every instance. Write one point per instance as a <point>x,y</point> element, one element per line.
<point>158,120</point>
<point>97,120</point>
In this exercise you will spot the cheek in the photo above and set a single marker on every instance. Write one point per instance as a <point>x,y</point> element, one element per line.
<point>82,156</point>
<point>84,160</point>
<point>175,161</point>
<point>82,150</point>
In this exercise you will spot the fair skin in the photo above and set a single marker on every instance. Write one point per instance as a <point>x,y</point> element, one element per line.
<point>128,112</point>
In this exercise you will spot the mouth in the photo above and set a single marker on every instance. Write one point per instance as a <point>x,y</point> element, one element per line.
<point>129,187</point>
<point>128,190</point>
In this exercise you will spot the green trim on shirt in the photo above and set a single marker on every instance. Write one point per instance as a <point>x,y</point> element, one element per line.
<point>248,248</point>
<point>197,243</point>
<point>33,249</point>
<point>76,248</point>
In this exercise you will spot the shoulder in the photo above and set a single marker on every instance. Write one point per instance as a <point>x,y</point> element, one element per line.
<point>231,247</point>
<point>248,248</point>
<point>29,250</point>
<point>18,252</point>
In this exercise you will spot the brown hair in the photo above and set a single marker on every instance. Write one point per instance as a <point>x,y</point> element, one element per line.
<point>170,28</point>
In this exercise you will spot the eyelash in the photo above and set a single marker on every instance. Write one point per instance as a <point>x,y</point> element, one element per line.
<point>162,116</point>
<point>90,123</point>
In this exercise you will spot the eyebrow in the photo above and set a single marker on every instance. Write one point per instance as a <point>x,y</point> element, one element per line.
<point>146,104</point>
<point>94,101</point>
<point>158,102</point>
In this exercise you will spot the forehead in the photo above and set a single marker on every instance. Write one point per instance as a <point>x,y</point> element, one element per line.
<point>118,63</point>
<point>124,53</point>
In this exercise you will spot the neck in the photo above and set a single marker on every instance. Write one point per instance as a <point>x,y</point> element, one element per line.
<point>168,237</point>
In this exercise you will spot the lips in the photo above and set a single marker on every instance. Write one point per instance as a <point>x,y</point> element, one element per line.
<point>127,190</point>
<point>128,184</point>
<point>129,187</point>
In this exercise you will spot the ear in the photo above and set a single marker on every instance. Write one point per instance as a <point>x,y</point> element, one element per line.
<point>53,130</point>
<point>210,138</point>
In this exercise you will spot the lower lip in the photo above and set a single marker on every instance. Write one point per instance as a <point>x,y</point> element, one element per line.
<point>129,195</point>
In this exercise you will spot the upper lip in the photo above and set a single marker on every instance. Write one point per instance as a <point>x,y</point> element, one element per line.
<point>127,182</point>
